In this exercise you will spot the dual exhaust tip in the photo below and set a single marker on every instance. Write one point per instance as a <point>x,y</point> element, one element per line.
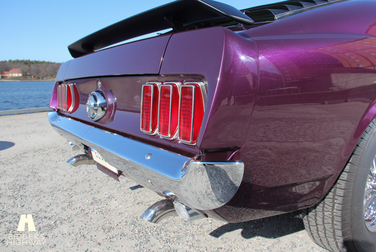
<point>164,208</point>
<point>159,210</point>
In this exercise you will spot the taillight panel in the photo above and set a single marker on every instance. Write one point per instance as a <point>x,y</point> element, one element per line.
<point>68,98</point>
<point>173,110</point>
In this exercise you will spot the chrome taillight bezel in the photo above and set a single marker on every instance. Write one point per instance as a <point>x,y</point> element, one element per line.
<point>202,89</point>
<point>172,133</point>
<point>171,85</point>
<point>155,88</point>
<point>63,90</point>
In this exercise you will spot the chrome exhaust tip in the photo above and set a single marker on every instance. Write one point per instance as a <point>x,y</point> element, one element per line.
<point>81,160</point>
<point>158,211</point>
<point>168,207</point>
<point>187,213</point>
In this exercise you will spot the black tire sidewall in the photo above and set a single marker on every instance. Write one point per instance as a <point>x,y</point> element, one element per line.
<point>363,239</point>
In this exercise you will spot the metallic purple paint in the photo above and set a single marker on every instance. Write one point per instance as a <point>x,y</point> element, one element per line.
<point>290,99</point>
<point>315,99</point>
<point>142,57</point>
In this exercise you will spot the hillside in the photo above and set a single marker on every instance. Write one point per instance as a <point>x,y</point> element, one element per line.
<point>32,69</point>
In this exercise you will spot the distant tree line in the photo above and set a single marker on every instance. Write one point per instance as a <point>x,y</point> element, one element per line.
<point>32,68</point>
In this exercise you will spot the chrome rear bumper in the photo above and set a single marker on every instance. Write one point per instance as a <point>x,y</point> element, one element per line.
<point>199,185</point>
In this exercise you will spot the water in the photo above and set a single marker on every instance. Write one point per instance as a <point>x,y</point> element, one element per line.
<point>25,94</point>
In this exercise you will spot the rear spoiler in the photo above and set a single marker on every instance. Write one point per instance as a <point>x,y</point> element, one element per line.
<point>179,15</point>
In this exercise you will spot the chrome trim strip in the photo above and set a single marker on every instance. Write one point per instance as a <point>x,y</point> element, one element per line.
<point>203,90</point>
<point>170,111</point>
<point>193,112</point>
<point>199,185</point>
<point>151,109</point>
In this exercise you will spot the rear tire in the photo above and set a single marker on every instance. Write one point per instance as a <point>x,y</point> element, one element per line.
<point>346,218</point>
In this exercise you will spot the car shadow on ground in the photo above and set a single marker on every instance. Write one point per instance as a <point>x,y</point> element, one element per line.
<point>6,145</point>
<point>273,227</point>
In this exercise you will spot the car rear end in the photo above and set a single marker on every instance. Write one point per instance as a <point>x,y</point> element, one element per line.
<point>161,111</point>
<point>178,113</point>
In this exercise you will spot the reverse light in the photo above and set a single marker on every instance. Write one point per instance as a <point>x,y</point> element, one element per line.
<point>68,97</point>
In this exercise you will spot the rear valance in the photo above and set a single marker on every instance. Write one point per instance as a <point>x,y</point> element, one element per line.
<point>178,15</point>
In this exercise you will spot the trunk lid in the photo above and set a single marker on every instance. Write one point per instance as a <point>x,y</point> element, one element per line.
<point>141,57</point>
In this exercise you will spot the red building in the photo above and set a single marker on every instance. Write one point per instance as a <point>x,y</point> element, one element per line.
<point>15,72</point>
<point>5,74</point>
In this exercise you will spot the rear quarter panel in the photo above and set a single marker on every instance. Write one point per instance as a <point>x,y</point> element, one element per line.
<point>231,76</point>
<point>315,98</point>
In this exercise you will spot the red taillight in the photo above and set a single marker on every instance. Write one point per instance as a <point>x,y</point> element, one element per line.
<point>169,113</point>
<point>149,108</point>
<point>68,97</point>
<point>186,113</point>
<point>168,110</point>
<point>191,112</point>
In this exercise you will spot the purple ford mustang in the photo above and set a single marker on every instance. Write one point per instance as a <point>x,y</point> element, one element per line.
<point>235,115</point>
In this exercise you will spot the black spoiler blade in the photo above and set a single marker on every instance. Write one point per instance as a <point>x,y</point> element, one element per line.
<point>177,15</point>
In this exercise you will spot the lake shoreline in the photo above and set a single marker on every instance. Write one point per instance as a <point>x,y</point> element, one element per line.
<point>25,111</point>
<point>25,94</point>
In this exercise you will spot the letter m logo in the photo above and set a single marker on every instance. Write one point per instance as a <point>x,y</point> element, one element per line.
<point>26,218</point>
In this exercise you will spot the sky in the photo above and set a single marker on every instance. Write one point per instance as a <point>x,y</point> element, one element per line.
<point>42,29</point>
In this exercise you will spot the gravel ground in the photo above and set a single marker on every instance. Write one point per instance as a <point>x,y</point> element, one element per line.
<point>82,209</point>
